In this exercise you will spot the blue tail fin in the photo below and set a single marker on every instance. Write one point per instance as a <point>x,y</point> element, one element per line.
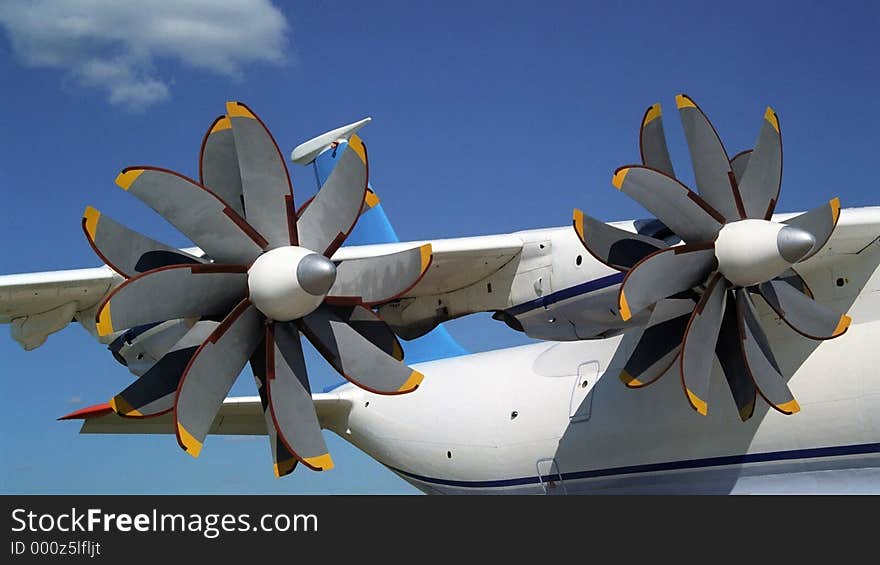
<point>374,227</point>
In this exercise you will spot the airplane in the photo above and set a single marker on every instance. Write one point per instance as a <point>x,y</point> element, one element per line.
<point>755,330</point>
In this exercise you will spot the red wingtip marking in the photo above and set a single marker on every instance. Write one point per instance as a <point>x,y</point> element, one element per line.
<point>89,412</point>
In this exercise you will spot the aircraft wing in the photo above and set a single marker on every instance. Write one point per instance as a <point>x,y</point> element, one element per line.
<point>38,304</point>
<point>238,416</point>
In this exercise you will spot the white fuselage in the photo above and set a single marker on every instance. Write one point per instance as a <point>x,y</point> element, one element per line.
<point>554,417</point>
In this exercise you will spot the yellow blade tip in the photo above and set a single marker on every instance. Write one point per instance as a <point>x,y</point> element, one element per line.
<point>791,407</point>
<point>426,252</point>
<point>652,114</point>
<point>371,199</point>
<point>625,313</point>
<point>189,443</point>
<point>91,217</point>
<point>357,145</point>
<point>122,407</point>
<point>835,208</point>
<point>619,176</point>
<point>684,101</point>
<point>842,325</point>
<point>698,403</point>
<point>104,324</point>
<point>630,380</point>
<point>320,462</point>
<point>771,117</point>
<point>236,110</point>
<point>221,124</point>
<point>578,222</point>
<point>284,467</point>
<point>415,378</point>
<point>127,177</point>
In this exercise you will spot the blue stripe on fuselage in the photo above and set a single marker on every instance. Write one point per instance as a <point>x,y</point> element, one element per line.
<point>709,462</point>
<point>566,293</point>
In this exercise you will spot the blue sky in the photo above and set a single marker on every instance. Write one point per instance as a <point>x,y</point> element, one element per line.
<point>489,117</point>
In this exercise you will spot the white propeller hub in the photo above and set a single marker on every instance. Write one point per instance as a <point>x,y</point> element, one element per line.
<point>289,282</point>
<point>754,251</point>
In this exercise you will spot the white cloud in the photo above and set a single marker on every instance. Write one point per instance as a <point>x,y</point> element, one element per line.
<point>75,399</point>
<point>115,45</point>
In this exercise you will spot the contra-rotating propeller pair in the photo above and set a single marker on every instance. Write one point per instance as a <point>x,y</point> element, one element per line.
<point>700,293</point>
<point>266,276</point>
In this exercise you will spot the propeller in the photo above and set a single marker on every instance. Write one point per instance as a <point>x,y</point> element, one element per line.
<point>265,278</point>
<point>700,293</point>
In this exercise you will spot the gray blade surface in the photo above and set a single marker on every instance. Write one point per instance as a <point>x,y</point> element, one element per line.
<point>179,291</point>
<point>791,277</point>
<point>380,279</point>
<point>674,204</point>
<point>265,184</point>
<point>355,357</point>
<point>126,251</point>
<point>663,274</point>
<point>652,141</point>
<point>698,347</point>
<point>729,354</point>
<point>290,400</point>
<point>373,328</point>
<point>198,213</point>
<point>659,345</point>
<point>330,217</point>
<point>820,222</point>
<point>218,164</point>
<point>283,461</point>
<point>759,359</point>
<point>617,248</point>
<point>759,186</point>
<point>211,373</point>
<point>709,159</point>
<point>739,163</point>
<point>803,314</point>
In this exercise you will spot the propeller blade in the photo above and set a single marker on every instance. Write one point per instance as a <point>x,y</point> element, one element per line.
<point>376,280</point>
<point>674,204</point>
<point>659,345</point>
<point>698,345</point>
<point>126,251</point>
<point>178,291</point>
<point>283,461</point>
<point>730,357</point>
<point>355,357</point>
<point>792,278</point>
<point>652,142</point>
<point>739,163</point>
<point>266,187</point>
<point>663,274</point>
<point>759,184</point>
<point>759,358</point>
<point>617,248</point>
<point>290,398</point>
<point>332,214</point>
<point>218,164</point>
<point>198,213</point>
<point>803,314</point>
<point>712,171</point>
<point>211,373</point>
<point>153,393</point>
<point>820,222</point>
<point>367,323</point>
